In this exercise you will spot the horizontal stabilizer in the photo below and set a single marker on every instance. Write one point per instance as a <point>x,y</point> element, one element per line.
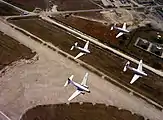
<point>66,83</point>
<point>125,67</point>
<point>72,48</point>
<point>69,80</point>
<point>111,28</point>
<point>76,44</point>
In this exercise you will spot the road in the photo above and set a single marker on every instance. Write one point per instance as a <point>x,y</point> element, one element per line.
<point>42,83</point>
<point>97,10</point>
<point>17,8</point>
<point>95,41</point>
<point>77,11</point>
<point>3,116</point>
<point>66,12</point>
<point>96,4</point>
<point>21,16</point>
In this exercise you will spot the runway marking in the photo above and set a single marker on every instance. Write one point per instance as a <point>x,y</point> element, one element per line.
<point>5,115</point>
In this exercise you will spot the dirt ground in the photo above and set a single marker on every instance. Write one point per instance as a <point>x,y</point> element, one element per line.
<point>28,4</point>
<point>96,29</point>
<point>11,50</point>
<point>92,15</point>
<point>64,5</point>
<point>41,83</point>
<point>159,1</point>
<point>101,59</point>
<point>125,43</point>
<point>5,10</point>
<point>76,111</point>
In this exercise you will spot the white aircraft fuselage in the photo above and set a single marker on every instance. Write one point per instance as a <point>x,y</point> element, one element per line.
<point>136,71</point>
<point>79,87</point>
<point>121,29</point>
<point>82,49</point>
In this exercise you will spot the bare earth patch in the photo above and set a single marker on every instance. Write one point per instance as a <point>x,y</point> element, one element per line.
<point>75,111</point>
<point>6,10</point>
<point>11,50</point>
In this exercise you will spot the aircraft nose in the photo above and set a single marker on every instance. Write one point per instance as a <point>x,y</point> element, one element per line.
<point>89,91</point>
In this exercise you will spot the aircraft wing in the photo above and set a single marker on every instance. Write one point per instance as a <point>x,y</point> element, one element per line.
<point>119,34</point>
<point>86,45</point>
<point>124,26</point>
<point>134,78</point>
<point>140,65</point>
<point>75,94</point>
<point>84,82</point>
<point>79,55</point>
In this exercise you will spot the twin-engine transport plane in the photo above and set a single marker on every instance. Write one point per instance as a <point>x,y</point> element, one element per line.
<point>122,30</point>
<point>138,72</point>
<point>81,88</point>
<point>83,50</point>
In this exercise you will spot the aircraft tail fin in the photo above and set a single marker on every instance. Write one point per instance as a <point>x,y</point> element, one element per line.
<point>125,67</point>
<point>75,45</point>
<point>68,80</point>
